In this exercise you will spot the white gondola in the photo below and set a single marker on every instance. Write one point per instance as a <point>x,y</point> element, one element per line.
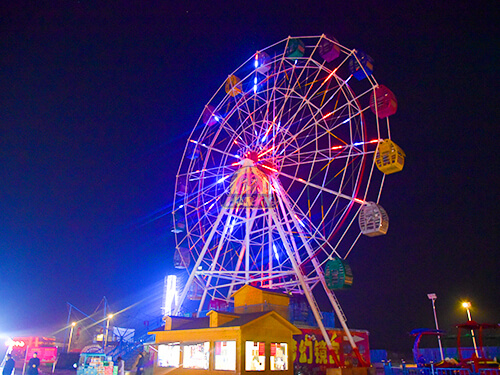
<point>373,220</point>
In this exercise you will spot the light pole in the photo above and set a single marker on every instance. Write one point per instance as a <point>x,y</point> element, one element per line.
<point>467,306</point>
<point>110,316</point>
<point>433,297</point>
<point>71,334</point>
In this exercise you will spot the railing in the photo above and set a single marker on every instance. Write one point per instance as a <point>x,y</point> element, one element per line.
<point>407,370</point>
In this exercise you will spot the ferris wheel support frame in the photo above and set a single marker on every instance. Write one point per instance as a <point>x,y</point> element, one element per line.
<point>214,263</point>
<point>200,258</point>
<point>331,296</point>
<point>300,276</point>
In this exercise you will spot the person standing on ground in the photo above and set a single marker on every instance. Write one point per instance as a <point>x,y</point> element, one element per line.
<point>33,364</point>
<point>9,365</point>
<point>121,366</point>
<point>140,364</point>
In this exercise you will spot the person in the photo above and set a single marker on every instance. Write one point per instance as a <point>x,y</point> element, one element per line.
<point>140,364</point>
<point>9,365</point>
<point>121,366</point>
<point>33,364</point>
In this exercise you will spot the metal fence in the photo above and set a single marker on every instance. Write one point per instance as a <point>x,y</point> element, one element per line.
<point>406,370</point>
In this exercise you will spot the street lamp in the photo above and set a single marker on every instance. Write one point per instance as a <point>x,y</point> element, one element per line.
<point>110,316</point>
<point>467,305</point>
<point>71,334</point>
<point>433,297</point>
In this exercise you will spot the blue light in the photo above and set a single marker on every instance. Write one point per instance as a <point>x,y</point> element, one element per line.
<point>220,180</point>
<point>263,139</point>
<point>276,253</point>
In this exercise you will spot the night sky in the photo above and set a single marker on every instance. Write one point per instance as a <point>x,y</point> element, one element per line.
<point>97,100</point>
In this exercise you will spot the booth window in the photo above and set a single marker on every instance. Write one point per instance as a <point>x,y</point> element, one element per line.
<point>196,355</point>
<point>279,356</point>
<point>255,356</point>
<point>225,355</point>
<point>169,355</point>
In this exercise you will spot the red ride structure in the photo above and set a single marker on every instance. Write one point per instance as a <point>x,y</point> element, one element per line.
<point>477,360</point>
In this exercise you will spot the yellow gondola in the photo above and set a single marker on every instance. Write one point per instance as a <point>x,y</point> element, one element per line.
<point>233,85</point>
<point>390,158</point>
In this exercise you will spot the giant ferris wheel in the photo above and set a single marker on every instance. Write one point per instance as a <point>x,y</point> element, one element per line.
<point>283,173</point>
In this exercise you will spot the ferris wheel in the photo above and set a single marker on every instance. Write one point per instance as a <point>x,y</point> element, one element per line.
<point>283,172</point>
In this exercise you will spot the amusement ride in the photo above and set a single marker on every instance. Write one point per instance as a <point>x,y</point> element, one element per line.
<point>283,173</point>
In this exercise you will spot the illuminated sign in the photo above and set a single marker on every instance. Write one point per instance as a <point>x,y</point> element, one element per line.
<point>18,344</point>
<point>225,355</point>
<point>169,355</point>
<point>279,356</point>
<point>196,356</point>
<point>255,356</point>
<point>170,297</point>
<point>311,349</point>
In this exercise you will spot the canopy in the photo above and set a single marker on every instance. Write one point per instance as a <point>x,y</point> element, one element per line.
<point>471,324</point>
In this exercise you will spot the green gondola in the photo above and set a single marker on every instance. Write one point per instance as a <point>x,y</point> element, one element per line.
<point>338,274</point>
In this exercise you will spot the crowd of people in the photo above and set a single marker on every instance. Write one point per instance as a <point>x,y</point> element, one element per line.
<point>34,363</point>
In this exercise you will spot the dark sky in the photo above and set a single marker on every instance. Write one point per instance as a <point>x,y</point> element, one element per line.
<point>97,100</point>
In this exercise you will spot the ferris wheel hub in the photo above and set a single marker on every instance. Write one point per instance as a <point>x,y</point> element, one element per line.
<point>247,163</point>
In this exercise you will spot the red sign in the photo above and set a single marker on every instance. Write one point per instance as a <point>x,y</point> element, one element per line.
<point>262,348</point>
<point>43,346</point>
<point>312,351</point>
<point>46,354</point>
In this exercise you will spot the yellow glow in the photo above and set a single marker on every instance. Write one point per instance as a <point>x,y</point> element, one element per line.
<point>466,305</point>
<point>110,316</point>
<point>73,324</point>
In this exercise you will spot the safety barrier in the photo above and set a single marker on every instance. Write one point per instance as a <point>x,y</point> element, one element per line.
<point>407,370</point>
